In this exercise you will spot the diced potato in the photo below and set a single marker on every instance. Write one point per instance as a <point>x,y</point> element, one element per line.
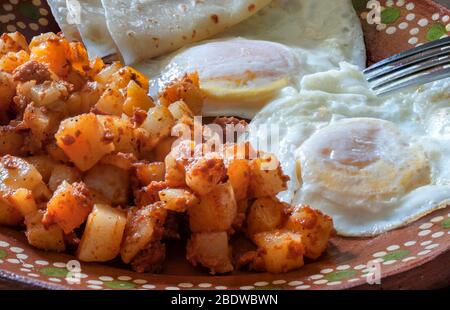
<point>278,251</point>
<point>121,132</point>
<point>122,77</point>
<point>111,102</point>
<point>266,177</point>
<point>42,124</point>
<point>265,214</point>
<point>11,142</point>
<point>83,140</point>
<point>105,76</point>
<point>9,215</point>
<point>215,211</point>
<point>137,98</point>
<point>204,173</point>
<point>163,148</point>
<point>110,181</point>
<point>175,173</point>
<point>12,60</point>
<point>12,42</point>
<point>16,173</point>
<point>152,172</point>
<point>61,173</point>
<point>186,89</point>
<point>103,234</point>
<point>69,207</point>
<point>149,194</point>
<point>144,225</point>
<point>52,95</point>
<point>52,50</point>
<point>238,172</point>
<point>78,57</point>
<point>177,199</point>
<point>49,238</point>
<point>211,250</point>
<point>23,201</point>
<point>44,164</point>
<point>314,227</point>
<point>158,124</point>
<point>179,109</point>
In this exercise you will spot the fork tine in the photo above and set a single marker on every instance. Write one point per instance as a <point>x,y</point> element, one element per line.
<point>422,77</point>
<point>416,53</point>
<point>408,69</point>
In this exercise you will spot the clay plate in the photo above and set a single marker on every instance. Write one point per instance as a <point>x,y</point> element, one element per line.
<point>415,256</point>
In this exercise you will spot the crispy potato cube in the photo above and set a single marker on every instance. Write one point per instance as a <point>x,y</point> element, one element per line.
<point>16,173</point>
<point>144,225</point>
<point>9,215</point>
<point>12,60</point>
<point>104,77</point>
<point>186,89</point>
<point>61,173</point>
<point>103,234</point>
<point>238,172</point>
<point>266,177</point>
<point>52,50</point>
<point>314,227</point>
<point>121,132</point>
<point>137,98</point>
<point>12,42</point>
<point>175,173</point>
<point>177,199</point>
<point>265,214</point>
<point>204,173</point>
<point>69,207</point>
<point>215,211</point>
<point>158,125</point>
<point>278,251</point>
<point>49,238</point>
<point>152,172</point>
<point>210,250</point>
<point>111,102</point>
<point>180,109</point>
<point>23,201</point>
<point>110,181</point>
<point>82,138</point>
<point>52,95</point>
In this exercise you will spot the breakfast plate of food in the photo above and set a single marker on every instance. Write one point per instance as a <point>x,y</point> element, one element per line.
<point>220,145</point>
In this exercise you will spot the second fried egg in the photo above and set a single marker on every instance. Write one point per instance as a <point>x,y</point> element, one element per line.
<point>372,164</point>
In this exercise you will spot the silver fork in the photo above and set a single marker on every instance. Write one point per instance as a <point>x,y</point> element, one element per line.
<point>426,63</point>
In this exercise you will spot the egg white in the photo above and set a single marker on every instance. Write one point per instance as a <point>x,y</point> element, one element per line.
<point>421,115</point>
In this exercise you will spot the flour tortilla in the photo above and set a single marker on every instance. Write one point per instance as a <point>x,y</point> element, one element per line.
<point>93,29</point>
<point>144,29</point>
<point>65,21</point>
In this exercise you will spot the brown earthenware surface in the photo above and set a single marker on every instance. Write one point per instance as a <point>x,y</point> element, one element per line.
<point>415,256</point>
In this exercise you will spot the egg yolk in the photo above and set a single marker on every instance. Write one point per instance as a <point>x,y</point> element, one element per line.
<point>237,72</point>
<point>361,161</point>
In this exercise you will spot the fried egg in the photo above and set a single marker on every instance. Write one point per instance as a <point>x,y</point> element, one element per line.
<point>249,65</point>
<point>373,164</point>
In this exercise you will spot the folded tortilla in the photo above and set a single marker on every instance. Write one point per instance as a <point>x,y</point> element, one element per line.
<point>93,29</point>
<point>144,29</point>
<point>66,21</point>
